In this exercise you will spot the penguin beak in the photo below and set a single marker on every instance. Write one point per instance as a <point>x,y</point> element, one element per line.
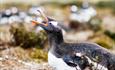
<point>35,23</point>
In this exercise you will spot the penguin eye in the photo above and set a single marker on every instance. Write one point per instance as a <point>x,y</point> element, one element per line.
<point>51,23</point>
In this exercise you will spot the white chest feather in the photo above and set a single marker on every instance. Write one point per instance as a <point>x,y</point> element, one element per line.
<point>58,63</point>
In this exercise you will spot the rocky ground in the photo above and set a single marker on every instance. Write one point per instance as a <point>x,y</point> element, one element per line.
<point>15,58</point>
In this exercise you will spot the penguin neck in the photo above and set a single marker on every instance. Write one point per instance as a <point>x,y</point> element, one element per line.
<point>55,41</point>
<point>55,38</point>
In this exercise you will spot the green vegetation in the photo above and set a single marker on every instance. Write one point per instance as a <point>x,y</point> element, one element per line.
<point>39,55</point>
<point>103,40</point>
<point>27,39</point>
<point>109,4</point>
<point>110,34</point>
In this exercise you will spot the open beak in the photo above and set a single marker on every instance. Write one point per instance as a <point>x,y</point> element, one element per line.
<point>34,23</point>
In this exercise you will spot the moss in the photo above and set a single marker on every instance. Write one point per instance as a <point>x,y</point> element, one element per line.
<point>39,55</point>
<point>104,44</point>
<point>103,40</point>
<point>105,4</point>
<point>110,34</point>
<point>27,39</point>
